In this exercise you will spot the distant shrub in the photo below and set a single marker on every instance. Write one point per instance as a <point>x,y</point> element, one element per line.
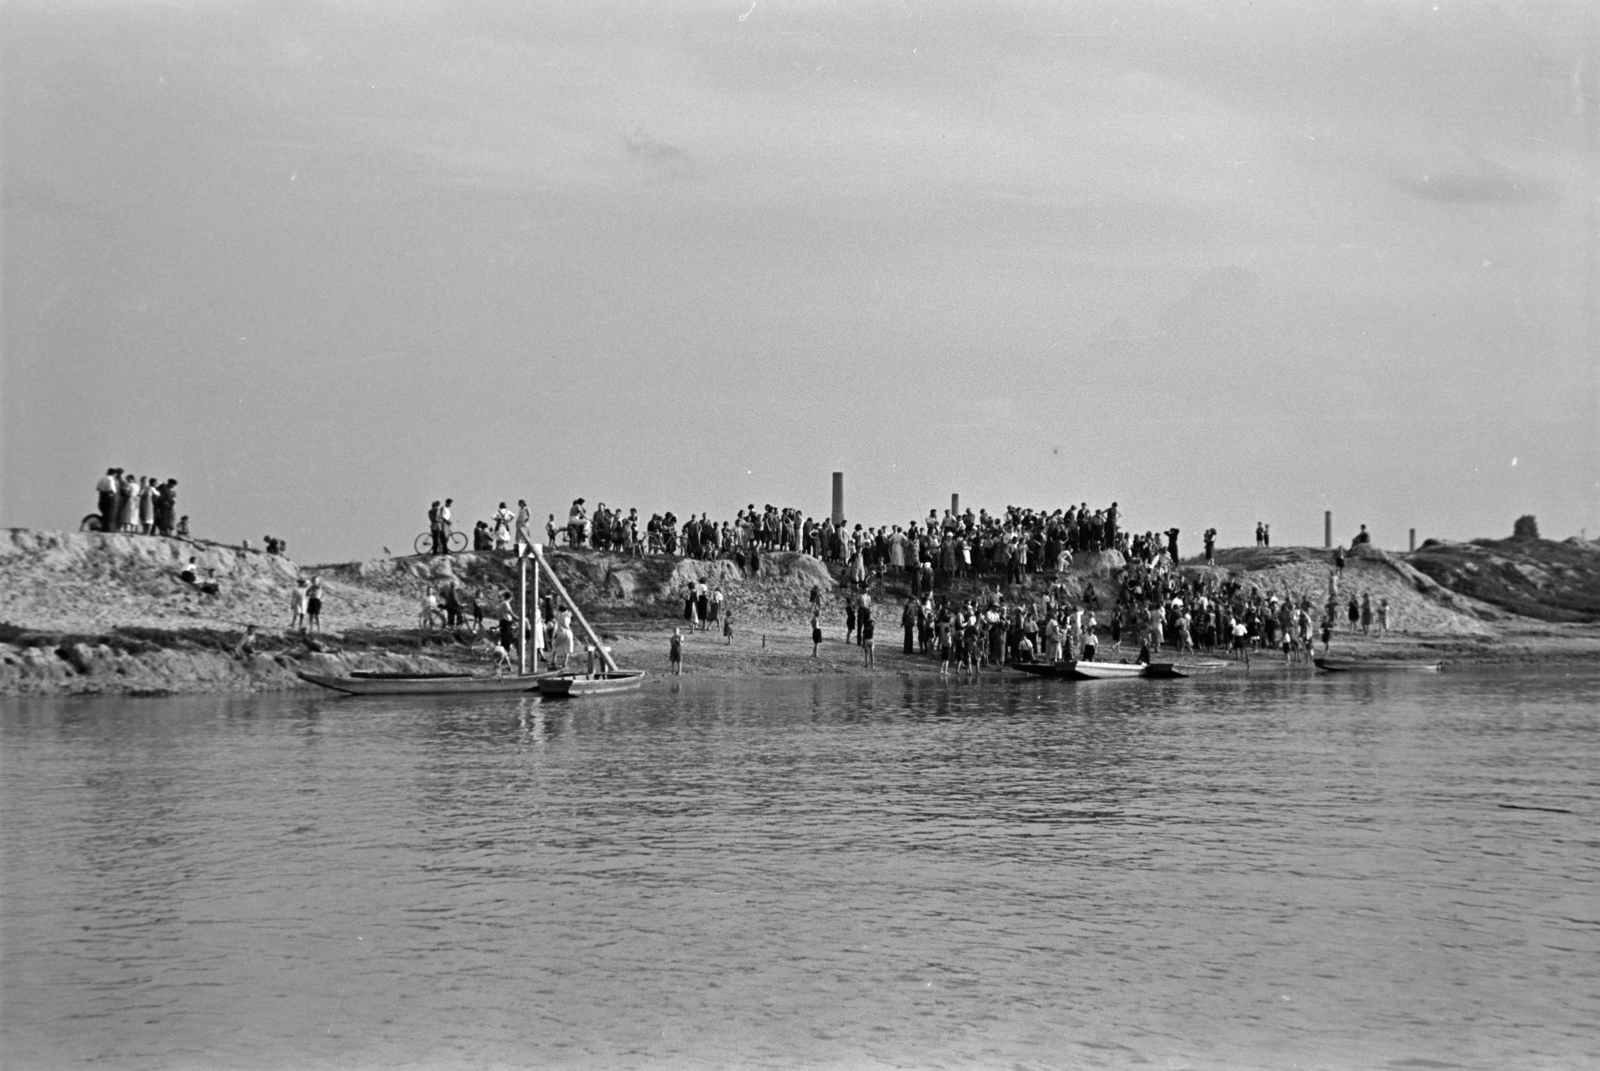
<point>1525,528</point>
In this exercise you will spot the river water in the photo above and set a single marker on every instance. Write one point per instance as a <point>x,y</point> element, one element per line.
<point>1305,871</point>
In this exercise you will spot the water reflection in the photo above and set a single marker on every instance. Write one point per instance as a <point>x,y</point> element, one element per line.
<point>822,871</point>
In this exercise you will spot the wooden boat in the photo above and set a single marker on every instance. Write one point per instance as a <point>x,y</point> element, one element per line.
<point>1105,671</point>
<point>1184,669</point>
<point>371,683</point>
<point>572,685</point>
<point>1044,669</point>
<point>1357,665</point>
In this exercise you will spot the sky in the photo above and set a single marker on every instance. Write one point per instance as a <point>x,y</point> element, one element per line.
<point>1219,262</point>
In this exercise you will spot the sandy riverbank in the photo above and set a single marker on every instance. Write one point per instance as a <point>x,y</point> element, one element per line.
<point>88,613</point>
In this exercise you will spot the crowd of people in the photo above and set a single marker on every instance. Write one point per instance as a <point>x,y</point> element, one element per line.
<point>1018,559</point>
<point>141,505</point>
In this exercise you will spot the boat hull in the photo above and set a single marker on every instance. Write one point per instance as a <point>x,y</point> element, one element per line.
<point>1045,669</point>
<point>572,686</point>
<point>1343,665</point>
<point>442,685</point>
<point>1106,671</point>
<point>1184,669</point>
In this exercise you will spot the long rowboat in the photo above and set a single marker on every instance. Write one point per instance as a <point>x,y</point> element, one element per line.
<point>1044,669</point>
<point>1350,665</point>
<point>572,685</point>
<point>1105,671</point>
<point>424,684</point>
<point>1184,669</point>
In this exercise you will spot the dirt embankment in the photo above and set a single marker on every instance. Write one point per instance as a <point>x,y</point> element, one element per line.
<point>87,612</point>
<point>1537,578</point>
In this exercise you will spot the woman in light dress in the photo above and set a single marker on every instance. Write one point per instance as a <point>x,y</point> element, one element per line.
<point>129,503</point>
<point>298,605</point>
<point>147,505</point>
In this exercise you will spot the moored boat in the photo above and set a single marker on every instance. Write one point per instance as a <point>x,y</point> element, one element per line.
<point>1044,669</point>
<point>1358,665</point>
<point>1184,669</point>
<point>371,683</point>
<point>1105,671</point>
<point>572,685</point>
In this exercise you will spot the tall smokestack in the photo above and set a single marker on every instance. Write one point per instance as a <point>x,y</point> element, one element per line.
<point>1327,529</point>
<point>838,497</point>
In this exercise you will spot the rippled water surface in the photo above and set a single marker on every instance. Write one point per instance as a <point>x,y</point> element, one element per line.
<point>1273,872</point>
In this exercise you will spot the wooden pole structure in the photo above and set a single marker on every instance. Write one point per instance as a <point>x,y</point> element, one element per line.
<point>611,665</point>
<point>538,633</point>
<point>522,614</point>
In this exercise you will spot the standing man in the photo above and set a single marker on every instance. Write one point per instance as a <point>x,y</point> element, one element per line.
<point>444,526</point>
<point>507,618</point>
<point>433,528</point>
<point>524,518</point>
<point>1211,546</point>
<point>106,491</point>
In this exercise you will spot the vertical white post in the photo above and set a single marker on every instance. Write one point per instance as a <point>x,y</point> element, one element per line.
<point>522,612</point>
<point>538,633</point>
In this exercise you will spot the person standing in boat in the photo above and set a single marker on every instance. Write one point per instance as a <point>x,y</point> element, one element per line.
<point>563,643</point>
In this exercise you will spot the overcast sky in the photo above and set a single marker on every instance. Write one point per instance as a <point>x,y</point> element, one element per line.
<point>1220,262</point>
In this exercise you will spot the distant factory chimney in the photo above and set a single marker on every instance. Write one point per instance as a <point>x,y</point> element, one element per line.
<point>838,497</point>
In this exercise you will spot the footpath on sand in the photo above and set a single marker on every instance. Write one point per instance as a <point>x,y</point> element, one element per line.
<point>89,613</point>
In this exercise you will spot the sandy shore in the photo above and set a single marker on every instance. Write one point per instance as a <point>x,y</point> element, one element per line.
<point>90,613</point>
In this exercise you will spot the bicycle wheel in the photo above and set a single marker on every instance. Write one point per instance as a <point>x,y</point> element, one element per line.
<point>467,636</point>
<point>91,523</point>
<point>458,542</point>
<point>423,544</point>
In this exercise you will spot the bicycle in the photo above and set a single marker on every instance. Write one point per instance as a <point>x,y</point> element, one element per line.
<point>91,523</point>
<point>424,543</point>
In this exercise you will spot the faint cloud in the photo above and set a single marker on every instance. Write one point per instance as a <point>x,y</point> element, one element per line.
<point>1475,180</point>
<point>1221,304</point>
<point>643,147</point>
<point>658,161</point>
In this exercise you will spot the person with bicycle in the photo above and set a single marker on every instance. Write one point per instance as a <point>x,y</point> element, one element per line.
<point>435,533</point>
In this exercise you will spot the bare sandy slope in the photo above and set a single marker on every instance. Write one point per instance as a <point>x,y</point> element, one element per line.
<point>87,612</point>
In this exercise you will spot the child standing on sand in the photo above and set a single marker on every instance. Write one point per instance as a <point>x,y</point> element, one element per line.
<point>816,630</point>
<point>675,652</point>
<point>727,629</point>
<point>868,645</point>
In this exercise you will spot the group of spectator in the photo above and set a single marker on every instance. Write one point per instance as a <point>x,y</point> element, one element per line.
<point>140,505</point>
